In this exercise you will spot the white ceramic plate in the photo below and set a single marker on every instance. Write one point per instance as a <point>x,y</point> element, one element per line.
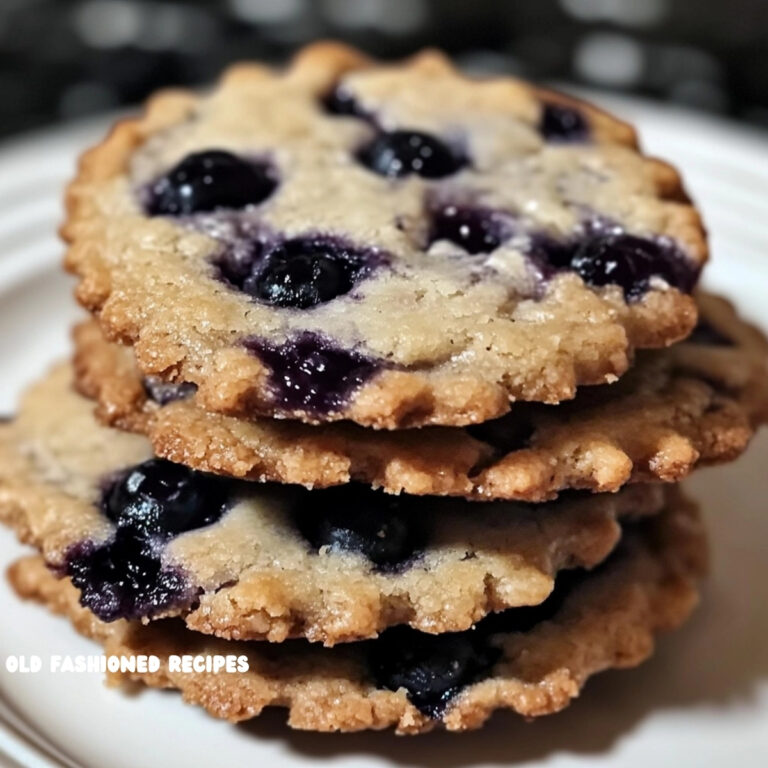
<point>702,700</point>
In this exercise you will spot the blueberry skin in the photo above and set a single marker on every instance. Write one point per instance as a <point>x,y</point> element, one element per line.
<point>630,262</point>
<point>561,123</point>
<point>149,503</point>
<point>383,528</point>
<point>303,273</point>
<point>161,498</point>
<point>614,258</point>
<point>207,181</point>
<point>401,153</point>
<point>431,668</point>
<point>297,273</point>
<point>476,230</point>
<point>310,373</point>
<point>125,579</point>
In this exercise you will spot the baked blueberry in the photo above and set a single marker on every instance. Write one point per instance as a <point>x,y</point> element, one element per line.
<point>125,579</point>
<point>631,262</point>
<point>162,392</point>
<point>604,255</point>
<point>298,273</point>
<point>311,374</point>
<point>476,230</point>
<point>549,253</point>
<point>158,497</point>
<point>401,153</point>
<point>356,519</point>
<point>149,503</point>
<point>207,181</point>
<point>563,123</point>
<point>431,668</point>
<point>304,272</point>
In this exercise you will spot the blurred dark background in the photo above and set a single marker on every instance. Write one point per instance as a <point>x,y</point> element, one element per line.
<point>62,59</point>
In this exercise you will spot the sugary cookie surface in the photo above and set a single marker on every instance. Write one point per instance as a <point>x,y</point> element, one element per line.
<point>698,402</point>
<point>393,244</point>
<point>532,661</point>
<point>142,538</point>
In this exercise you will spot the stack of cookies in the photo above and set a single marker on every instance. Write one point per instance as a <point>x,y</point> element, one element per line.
<point>388,379</point>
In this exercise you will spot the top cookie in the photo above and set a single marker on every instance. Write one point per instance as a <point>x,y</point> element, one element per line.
<point>395,245</point>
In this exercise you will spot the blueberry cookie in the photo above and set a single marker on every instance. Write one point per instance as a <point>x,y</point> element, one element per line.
<point>395,245</point>
<point>145,538</point>
<point>698,402</point>
<point>532,661</point>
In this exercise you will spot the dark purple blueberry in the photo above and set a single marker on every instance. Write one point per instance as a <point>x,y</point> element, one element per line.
<point>149,503</point>
<point>401,153</point>
<point>511,432</point>
<point>309,373</point>
<point>631,262</point>
<point>298,273</point>
<point>162,393</point>
<point>341,102</point>
<point>304,272</point>
<point>357,519</point>
<point>431,668</point>
<point>160,498</point>
<point>476,230</point>
<point>549,253</point>
<point>563,123</point>
<point>434,668</point>
<point>207,181</point>
<point>706,334</point>
<point>124,578</point>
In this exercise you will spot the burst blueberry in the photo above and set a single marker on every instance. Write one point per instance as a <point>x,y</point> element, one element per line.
<point>401,153</point>
<point>161,498</point>
<point>355,519</point>
<point>476,230</point>
<point>431,668</point>
<point>605,255</point>
<point>562,123</point>
<point>210,180</point>
<point>631,262</point>
<point>125,578</point>
<point>311,374</point>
